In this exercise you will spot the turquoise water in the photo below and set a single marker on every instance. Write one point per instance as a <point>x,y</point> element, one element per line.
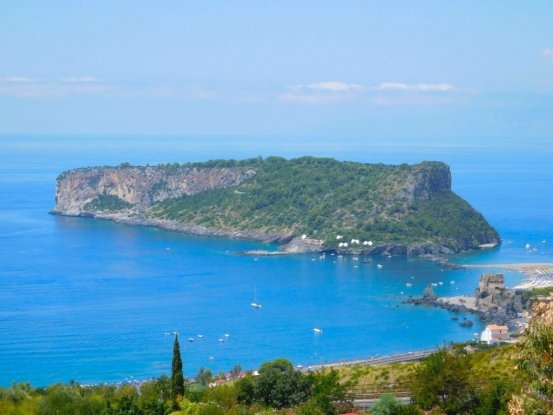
<point>93,301</point>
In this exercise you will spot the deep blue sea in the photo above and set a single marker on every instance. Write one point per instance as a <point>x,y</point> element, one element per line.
<point>92,301</point>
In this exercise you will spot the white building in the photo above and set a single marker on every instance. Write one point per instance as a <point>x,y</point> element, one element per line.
<point>493,334</point>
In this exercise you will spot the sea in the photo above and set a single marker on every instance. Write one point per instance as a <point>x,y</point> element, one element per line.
<point>92,301</point>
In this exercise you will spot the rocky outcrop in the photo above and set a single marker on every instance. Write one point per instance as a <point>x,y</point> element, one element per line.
<point>496,302</point>
<point>140,187</point>
<point>429,178</point>
<point>493,302</point>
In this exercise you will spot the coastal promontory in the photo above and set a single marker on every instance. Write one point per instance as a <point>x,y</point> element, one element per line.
<point>305,204</point>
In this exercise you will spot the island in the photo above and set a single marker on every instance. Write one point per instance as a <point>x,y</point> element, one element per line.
<point>306,204</point>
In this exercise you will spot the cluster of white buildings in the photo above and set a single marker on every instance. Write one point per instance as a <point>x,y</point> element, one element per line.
<point>352,242</point>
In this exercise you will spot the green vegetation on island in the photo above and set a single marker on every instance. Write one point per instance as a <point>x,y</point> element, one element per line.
<point>106,202</point>
<point>323,198</point>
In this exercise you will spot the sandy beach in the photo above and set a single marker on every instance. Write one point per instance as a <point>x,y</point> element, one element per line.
<point>537,275</point>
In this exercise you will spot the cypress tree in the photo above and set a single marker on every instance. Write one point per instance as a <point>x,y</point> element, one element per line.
<point>177,378</point>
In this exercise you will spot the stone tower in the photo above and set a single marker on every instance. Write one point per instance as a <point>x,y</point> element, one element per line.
<point>490,290</point>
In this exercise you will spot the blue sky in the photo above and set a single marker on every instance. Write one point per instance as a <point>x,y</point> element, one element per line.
<point>407,70</point>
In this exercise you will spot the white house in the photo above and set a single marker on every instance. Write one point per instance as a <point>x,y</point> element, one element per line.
<point>494,334</point>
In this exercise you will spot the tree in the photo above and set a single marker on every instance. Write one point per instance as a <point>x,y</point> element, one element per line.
<point>68,400</point>
<point>204,376</point>
<point>495,396</point>
<point>154,395</point>
<point>177,378</point>
<point>245,390</point>
<point>280,364</point>
<point>443,380</point>
<point>278,385</point>
<point>386,405</point>
<point>329,394</point>
<point>235,371</point>
<point>535,360</point>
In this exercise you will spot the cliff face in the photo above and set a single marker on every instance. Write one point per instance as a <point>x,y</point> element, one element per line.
<point>76,190</point>
<point>427,179</point>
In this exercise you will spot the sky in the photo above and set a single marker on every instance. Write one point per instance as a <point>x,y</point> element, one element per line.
<point>380,70</point>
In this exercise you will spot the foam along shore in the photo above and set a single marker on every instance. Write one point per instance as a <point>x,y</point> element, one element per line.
<point>537,275</point>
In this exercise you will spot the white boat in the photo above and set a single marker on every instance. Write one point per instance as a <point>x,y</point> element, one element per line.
<point>254,303</point>
<point>317,331</point>
<point>379,266</point>
<point>408,284</point>
<point>191,339</point>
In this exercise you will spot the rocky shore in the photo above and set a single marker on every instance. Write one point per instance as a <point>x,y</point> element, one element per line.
<point>133,219</point>
<point>287,243</point>
<point>492,302</point>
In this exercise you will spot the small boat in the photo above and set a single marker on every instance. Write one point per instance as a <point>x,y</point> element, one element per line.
<point>379,266</point>
<point>254,303</point>
<point>408,284</point>
<point>317,331</point>
<point>191,339</point>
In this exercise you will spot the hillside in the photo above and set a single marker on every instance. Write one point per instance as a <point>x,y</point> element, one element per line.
<point>406,209</point>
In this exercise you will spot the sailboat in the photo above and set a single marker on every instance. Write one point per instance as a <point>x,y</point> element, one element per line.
<point>254,303</point>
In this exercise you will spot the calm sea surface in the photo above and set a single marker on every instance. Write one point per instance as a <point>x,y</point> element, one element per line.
<point>93,301</point>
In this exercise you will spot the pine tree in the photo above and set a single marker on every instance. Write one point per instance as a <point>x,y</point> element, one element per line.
<point>177,378</point>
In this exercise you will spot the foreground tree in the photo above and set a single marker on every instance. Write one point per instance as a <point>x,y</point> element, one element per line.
<point>279,385</point>
<point>442,380</point>
<point>329,394</point>
<point>535,359</point>
<point>70,400</point>
<point>386,405</point>
<point>177,378</point>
